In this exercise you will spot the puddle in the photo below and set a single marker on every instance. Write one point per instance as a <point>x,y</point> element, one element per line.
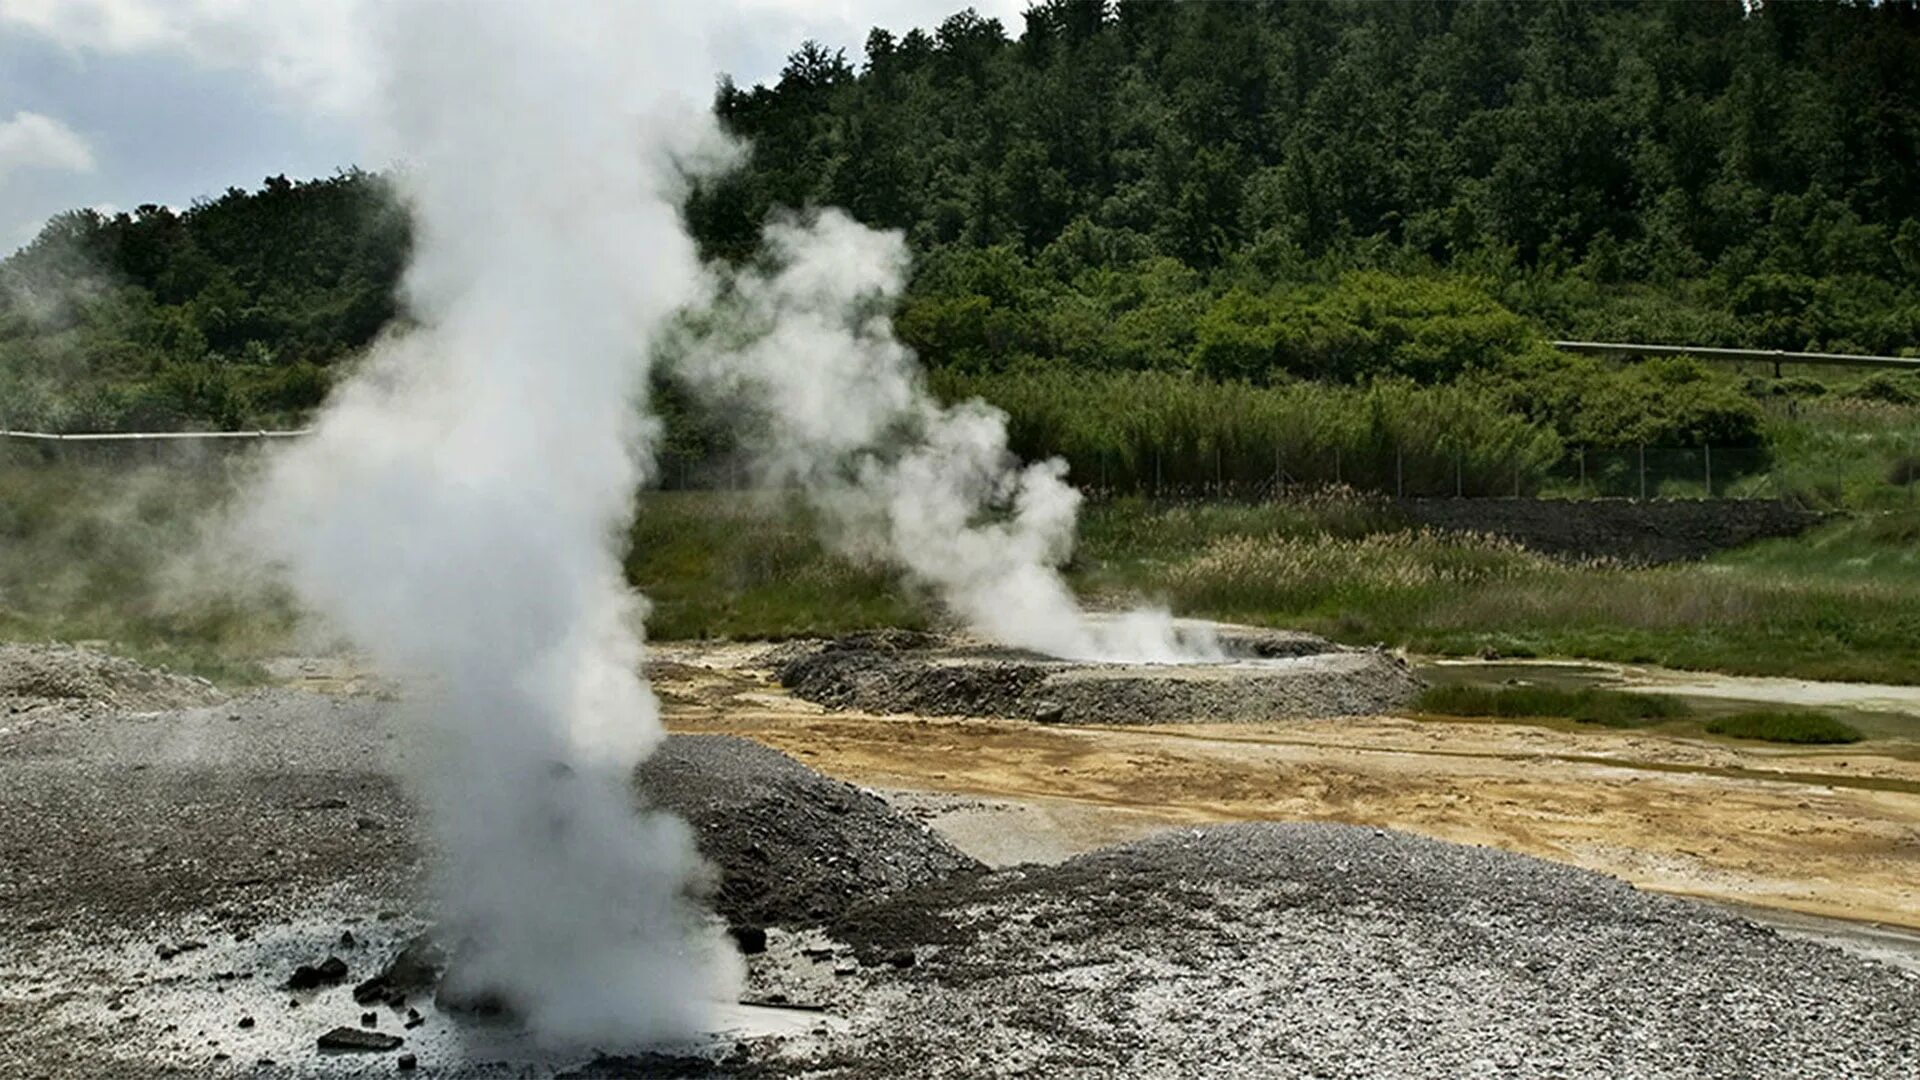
<point>1880,711</point>
<point>221,1007</point>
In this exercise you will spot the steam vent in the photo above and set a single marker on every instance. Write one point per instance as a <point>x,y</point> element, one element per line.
<point>1261,675</point>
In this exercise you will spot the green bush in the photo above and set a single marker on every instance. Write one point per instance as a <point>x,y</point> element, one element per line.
<point>1134,431</point>
<point>1606,708</point>
<point>1798,728</point>
<point>1886,390</point>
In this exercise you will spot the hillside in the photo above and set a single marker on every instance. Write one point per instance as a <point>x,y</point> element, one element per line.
<point>1267,193</point>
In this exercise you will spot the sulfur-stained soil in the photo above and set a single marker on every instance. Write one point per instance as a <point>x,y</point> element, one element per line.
<point>1196,899</point>
<point>1833,832</point>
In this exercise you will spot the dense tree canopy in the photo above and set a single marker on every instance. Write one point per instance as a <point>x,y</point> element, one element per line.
<point>1264,192</point>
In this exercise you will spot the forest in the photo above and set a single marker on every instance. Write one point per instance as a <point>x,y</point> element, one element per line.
<point>1123,212</point>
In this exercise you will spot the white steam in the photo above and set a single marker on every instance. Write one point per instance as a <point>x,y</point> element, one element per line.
<point>841,412</point>
<point>459,509</point>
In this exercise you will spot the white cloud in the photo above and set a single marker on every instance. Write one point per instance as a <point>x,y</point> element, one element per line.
<point>308,49</point>
<point>33,141</point>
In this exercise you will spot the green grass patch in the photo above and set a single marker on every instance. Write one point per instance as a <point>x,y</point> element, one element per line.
<point>1841,602</point>
<point>1797,728</point>
<point>1606,708</point>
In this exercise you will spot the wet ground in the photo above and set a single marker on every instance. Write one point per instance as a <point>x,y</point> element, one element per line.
<point>165,873</point>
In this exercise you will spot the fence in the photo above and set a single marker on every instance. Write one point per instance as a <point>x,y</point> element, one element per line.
<point>1462,470</point>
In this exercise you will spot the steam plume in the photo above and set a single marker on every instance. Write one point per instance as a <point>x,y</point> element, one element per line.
<point>458,509</point>
<point>843,414</point>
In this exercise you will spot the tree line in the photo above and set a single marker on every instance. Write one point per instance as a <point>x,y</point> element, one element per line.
<point>1234,193</point>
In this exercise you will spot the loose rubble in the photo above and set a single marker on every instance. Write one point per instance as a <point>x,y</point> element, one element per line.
<point>791,847</point>
<point>1270,675</point>
<point>52,679</point>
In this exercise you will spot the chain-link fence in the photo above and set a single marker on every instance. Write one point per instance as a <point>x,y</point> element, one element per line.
<point>1459,471</point>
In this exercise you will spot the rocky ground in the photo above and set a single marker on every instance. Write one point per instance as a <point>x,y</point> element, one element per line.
<point>167,876</point>
<point>1267,675</point>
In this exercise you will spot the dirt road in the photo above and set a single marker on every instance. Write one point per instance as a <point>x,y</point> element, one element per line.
<point>1833,833</point>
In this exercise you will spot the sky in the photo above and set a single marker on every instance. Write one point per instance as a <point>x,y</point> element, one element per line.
<point>115,103</point>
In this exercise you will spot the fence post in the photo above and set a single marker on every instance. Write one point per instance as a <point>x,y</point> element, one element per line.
<point>1219,472</point>
<point>1156,472</point>
<point>1336,466</point>
<point>1580,452</point>
<point>1643,472</point>
<point>1459,485</point>
<point>1399,472</point>
<point>1708,450</point>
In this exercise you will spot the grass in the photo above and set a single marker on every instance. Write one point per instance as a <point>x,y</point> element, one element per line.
<point>1842,602</point>
<point>1797,728</point>
<point>745,566</point>
<point>115,557</point>
<point>93,554</point>
<point>1606,708</point>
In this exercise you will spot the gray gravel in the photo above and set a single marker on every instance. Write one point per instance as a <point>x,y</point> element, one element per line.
<point>792,847</point>
<point>1272,675</point>
<point>41,679</point>
<point>163,873</point>
<point>1337,951</point>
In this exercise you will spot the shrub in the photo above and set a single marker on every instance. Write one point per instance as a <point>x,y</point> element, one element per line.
<point>1798,728</point>
<point>1886,390</point>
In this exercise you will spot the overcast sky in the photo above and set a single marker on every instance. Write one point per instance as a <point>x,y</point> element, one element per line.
<point>115,103</point>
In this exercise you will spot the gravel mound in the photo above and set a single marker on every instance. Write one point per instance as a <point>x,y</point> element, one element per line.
<point>1338,951</point>
<point>1277,675</point>
<point>792,847</point>
<point>37,677</point>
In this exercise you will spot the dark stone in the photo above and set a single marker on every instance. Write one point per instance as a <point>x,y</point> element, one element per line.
<point>331,972</point>
<point>354,1039</point>
<point>368,1019</point>
<point>902,958</point>
<point>372,990</point>
<point>416,966</point>
<point>484,1003</point>
<point>407,1063</point>
<point>246,1021</point>
<point>348,941</point>
<point>649,1065</point>
<point>324,804</point>
<point>750,940</point>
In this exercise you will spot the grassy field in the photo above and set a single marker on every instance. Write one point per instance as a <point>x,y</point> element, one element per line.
<point>1840,603</point>
<point>91,554</point>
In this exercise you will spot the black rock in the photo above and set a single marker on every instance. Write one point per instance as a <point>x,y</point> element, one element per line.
<point>331,971</point>
<point>304,977</point>
<point>372,990</point>
<point>346,1038</point>
<point>902,958</point>
<point>368,1019</point>
<point>407,1063</point>
<point>246,1021</point>
<point>417,966</point>
<point>348,941</point>
<point>750,940</point>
